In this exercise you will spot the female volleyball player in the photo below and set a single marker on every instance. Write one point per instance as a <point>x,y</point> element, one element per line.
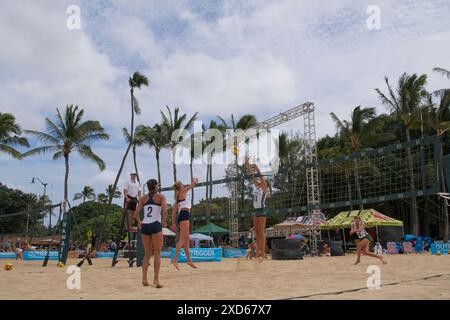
<point>364,240</point>
<point>260,192</point>
<point>182,205</point>
<point>154,204</point>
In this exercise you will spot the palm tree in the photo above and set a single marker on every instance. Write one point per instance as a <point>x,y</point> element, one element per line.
<point>333,151</point>
<point>136,81</point>
<point>67,134</point>
<point>172,124</point>
<point>445,73</point>
<point>405,105</point>
<point>155,138</point>
<point>111,193</point>
<point>138,140</point>
<point>245,122</point>
<point>359,132</point>
<point>213,125</point>
<point>10,135</point>
<point>438,117</point>
<point>103,197</point>
<point>86,193</point>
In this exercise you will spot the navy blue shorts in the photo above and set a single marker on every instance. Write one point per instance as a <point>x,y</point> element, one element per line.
<point>151,228</point>
<point>132,204</point>
<point>183,216</point>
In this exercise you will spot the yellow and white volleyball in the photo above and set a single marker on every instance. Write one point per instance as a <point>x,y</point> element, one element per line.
<point>438,253</point>
<point>8,267</point>
<point>235,150</point>
<point>60,264</point>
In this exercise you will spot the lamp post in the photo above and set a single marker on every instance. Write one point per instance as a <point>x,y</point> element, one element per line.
<point>33,180</point>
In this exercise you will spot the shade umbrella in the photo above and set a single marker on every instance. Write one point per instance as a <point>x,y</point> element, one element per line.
<point>211,228</point>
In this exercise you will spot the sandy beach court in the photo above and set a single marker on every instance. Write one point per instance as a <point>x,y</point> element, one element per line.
<point>413,276</point>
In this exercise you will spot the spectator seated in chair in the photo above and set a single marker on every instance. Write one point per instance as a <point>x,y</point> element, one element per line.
<point>326,251</point>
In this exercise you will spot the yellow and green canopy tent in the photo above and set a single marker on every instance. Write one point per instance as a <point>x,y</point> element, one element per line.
<point>370,217</point>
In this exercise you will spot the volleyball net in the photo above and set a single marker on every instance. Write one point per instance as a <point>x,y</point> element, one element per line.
<point>398,171</point>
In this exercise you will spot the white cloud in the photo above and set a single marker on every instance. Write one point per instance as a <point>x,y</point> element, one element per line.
<point>49,66</point>
<point>256,56</point>
<point>197,82</point>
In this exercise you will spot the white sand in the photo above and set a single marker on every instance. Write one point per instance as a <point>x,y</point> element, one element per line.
<point>236,279</point>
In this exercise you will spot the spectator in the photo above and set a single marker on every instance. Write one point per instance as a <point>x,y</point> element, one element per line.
<point>251,244</point>
<point>326,250</point>
<point>19,253</point>
<point>113,246</point>
<point>242,242</point>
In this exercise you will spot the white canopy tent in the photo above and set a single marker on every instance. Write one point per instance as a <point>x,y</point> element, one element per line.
<point>197,237</point>
<point>168,232</point>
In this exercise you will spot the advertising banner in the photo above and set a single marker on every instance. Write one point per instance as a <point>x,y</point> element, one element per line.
<point>234,253</point>
<point>200,254</point>
<point>40,255</point>
<point>442,248</point>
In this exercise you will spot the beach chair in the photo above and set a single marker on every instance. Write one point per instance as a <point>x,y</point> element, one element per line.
<point>407,247</point>
<point>392,248</point>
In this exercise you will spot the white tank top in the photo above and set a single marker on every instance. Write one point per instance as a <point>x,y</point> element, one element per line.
<point>152,211</point>
<point>361,234</point>
<point>259,198</point>
<point>184,203</point>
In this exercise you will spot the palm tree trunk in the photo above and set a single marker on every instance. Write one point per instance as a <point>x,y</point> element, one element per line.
<point>128,148</point>
<point>349,188</point>
<point>358,185</point>
<point>174,164</point>
<point>443,189</point>
<point>158,165</point>
<point>414,210</point>
<point>207,194</point>
<point>192,194</point>
<point>135,163</point>
<point>66,178</point>
<point>192,178</point>
<point>210,182</point>
<point>209,191</point>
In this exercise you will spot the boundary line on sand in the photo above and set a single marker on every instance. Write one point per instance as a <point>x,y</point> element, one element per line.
<point>364,288</point>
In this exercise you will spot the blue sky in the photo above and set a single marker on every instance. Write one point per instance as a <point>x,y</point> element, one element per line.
<point>214,57</point>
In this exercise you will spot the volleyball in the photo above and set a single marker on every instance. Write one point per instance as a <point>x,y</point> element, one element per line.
<point>8,267</point>
<point>60,264</point>
<point>235,150</point>
<point>438,253</point>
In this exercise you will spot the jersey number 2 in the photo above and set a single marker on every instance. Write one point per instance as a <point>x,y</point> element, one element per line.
<point>149,212</point>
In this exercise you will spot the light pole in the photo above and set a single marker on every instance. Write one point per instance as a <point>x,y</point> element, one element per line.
<point>33,180</point>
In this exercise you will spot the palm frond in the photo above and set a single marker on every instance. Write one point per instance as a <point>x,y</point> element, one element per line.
<point>41,150</point>
<point>442,71</point>
<point>15,140</point>
<point>11,151</point>
<point>86,152</point>
<point>136,108</point>
<point>44,137</point>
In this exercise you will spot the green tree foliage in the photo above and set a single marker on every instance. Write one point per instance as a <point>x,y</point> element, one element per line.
<point>90,216</point>
<point>16,201</point>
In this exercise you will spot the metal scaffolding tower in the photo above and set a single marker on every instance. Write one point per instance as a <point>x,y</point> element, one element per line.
<point>307,111</point>
<point>312,176</point>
